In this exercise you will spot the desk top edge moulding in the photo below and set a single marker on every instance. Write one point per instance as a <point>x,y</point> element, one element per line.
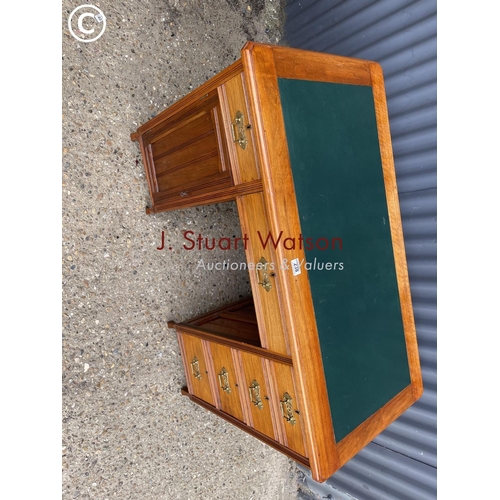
<point>318,362</point>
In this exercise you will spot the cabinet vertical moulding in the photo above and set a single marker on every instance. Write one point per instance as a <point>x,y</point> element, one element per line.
<point>245,405</point>
<point>279,430</point>
<point>184,362</point>
<point>210,373</point>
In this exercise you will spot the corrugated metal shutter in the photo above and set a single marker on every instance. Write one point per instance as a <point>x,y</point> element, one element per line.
<point>401,36</point>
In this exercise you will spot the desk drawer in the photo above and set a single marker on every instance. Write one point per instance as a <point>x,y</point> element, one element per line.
<point>229,386</point>
<point>239,130</point>
<point>282,376</point>
<point>258,397</point>
<point>194,355</point>
<point>264,282</point>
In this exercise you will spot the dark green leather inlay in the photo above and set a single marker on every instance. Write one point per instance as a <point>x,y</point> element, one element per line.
<point>337,171</point>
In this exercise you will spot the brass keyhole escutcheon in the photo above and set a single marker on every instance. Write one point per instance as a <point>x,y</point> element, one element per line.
<point>195,368</point>
<point>239,130</point>
<point>224,381</point>
<point>287,409</point>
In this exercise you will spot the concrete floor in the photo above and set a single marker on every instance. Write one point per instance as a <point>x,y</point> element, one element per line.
<point>127,431</point>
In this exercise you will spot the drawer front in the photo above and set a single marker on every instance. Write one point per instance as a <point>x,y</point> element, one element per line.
<point>195,365</point>
<point>257,394</point>
<point>238,122</point>
<point>289,407</point>
<point>229,386</point>
<point>264,282</point>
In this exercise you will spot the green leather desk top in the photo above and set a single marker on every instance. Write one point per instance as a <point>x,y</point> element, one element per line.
<point>337,171</point>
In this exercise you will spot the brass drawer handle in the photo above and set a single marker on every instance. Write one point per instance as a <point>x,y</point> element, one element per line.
<point>195,368</point>
<point>255,395</point>
<point>239,130</point>
<point>224,381</point>
<point>287,409</point>
<point>263,274</point>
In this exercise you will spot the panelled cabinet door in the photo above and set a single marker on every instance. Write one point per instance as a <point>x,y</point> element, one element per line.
<point>186,155</point>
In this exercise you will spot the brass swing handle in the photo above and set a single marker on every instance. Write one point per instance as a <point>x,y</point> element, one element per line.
<point>255,395</point>
<point>195,368</point>
<point>224,380</point>
<point>263,274</point>
<point>239,130</point>
<point>287,409</point>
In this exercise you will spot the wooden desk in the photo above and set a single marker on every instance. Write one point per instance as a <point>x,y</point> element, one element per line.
<point>323,357</point>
